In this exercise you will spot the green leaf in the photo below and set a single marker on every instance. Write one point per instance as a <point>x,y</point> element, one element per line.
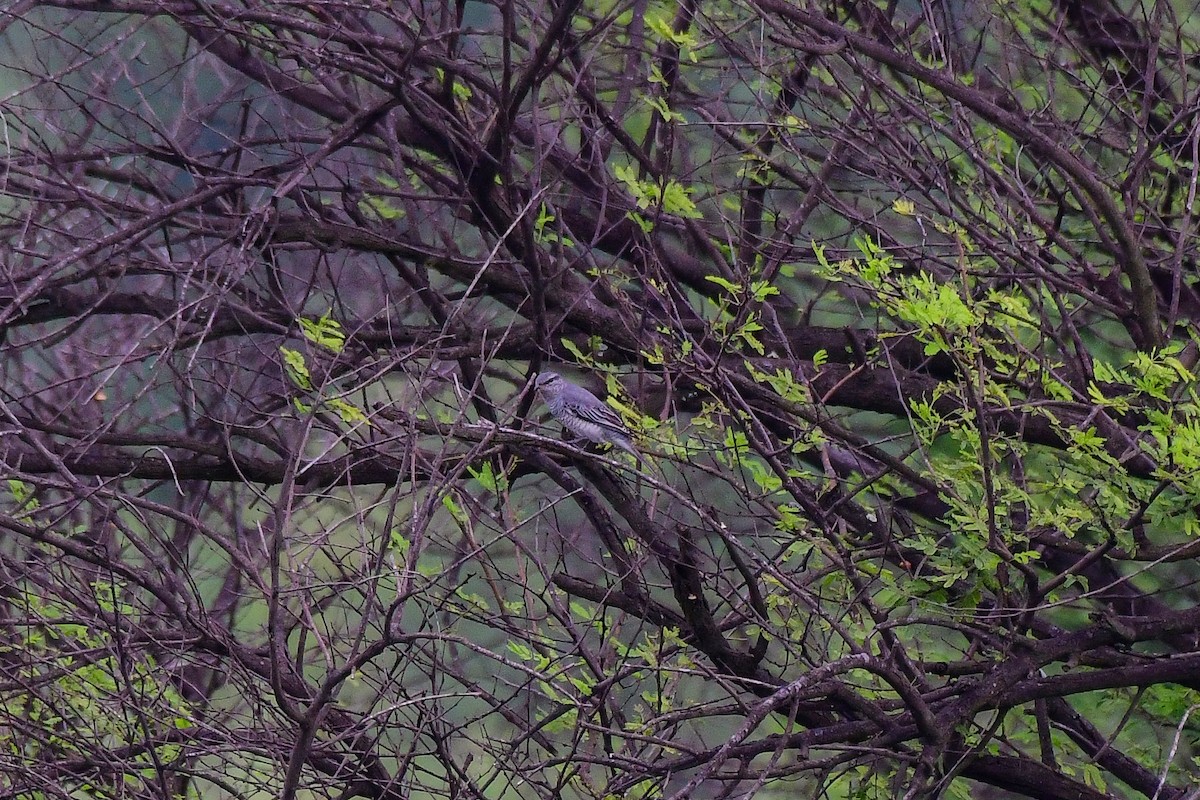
<point>724,283</point>
<point>324,332</point>
<point>675,199</point>
<point>456,510</point>
<point>761,290</point>
<point>646,225</point>
<point>23,494</point>
<point>671,197</point>
<point>380,207</point>
<point>494,483</point>
<point>348,412</point>
<point>295,368</point>
<point>574,350</point>
<point>521,651</point>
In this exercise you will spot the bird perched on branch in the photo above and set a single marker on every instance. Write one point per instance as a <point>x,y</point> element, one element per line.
<point>582,413</point>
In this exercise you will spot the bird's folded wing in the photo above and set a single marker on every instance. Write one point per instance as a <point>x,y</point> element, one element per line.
<point>603,416</point>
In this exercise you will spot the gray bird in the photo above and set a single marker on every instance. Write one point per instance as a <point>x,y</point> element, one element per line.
<point>582,413</point>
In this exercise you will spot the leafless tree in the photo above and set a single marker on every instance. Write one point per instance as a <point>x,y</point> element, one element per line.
<point>898,297</point>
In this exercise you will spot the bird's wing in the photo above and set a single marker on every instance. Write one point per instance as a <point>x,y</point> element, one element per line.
<point>602,415</point>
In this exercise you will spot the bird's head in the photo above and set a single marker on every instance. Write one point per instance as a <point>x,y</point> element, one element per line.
<point>547,381</point>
